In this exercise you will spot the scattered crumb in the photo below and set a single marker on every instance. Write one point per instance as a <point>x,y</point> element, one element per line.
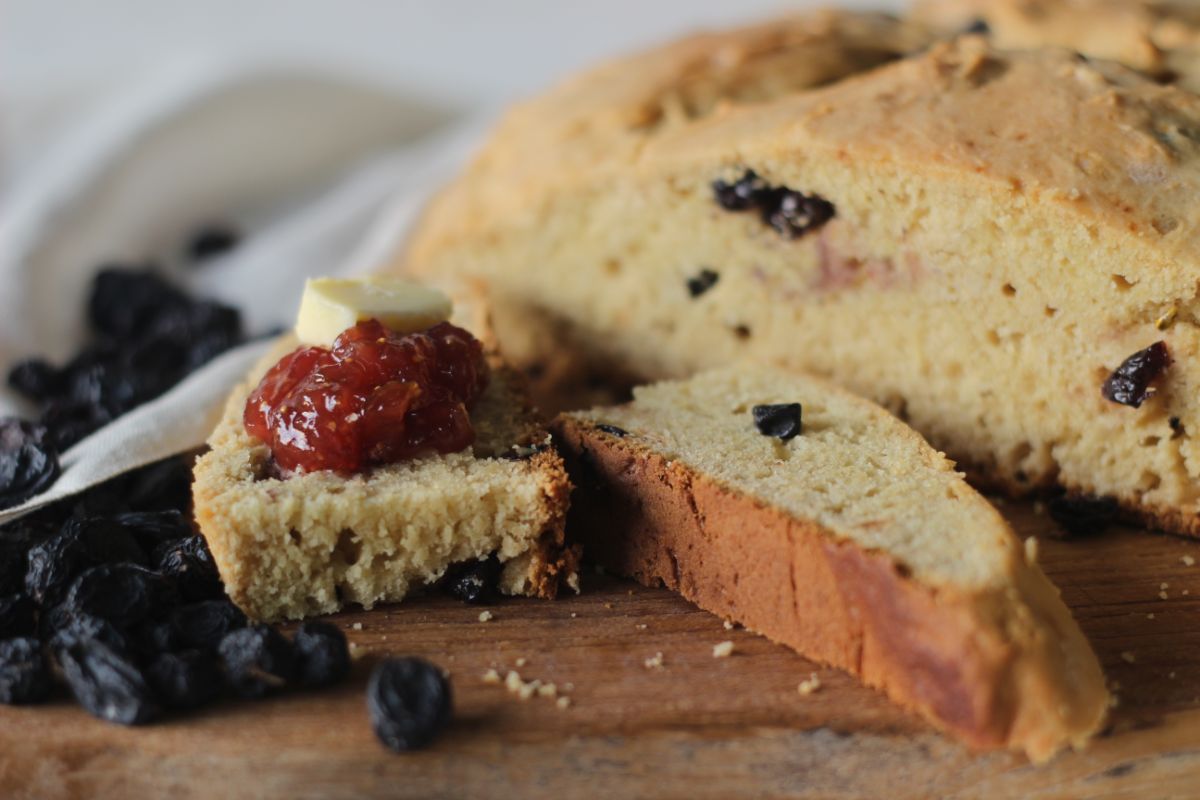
<point>811,685</point>
<point>491,676</point>
<point>563,703</point>
<point>485,616</point>
<point>1113,701</point>
<point>723,650</point>
<point>655,661</point>
<point>573,615</point>
<point>512,681</point>
<point>1185,591</point>
<point>547,690</point>
<point>608,605</point>
<point>727,625</point>
<point>631,592</point>
<point>1031,550</point>
<point>573,581</point>
<point>522,661</point>
<point>1164,585</point>
<point>641,626</point>
<point>1128,657</point>
<point>1171,674</point>
<point>357,626</point>
<point>356,652</point>
<point>1150,615</point>
<point>1188,561</point>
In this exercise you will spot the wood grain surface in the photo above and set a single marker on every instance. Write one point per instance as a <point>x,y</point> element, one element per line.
<point>698,727</point>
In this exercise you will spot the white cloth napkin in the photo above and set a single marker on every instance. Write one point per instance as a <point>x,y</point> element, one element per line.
<point>322,174</point>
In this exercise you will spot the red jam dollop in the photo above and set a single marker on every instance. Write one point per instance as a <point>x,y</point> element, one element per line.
<point>375,397</point>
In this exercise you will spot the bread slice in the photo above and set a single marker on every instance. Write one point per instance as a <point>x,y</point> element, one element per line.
<point>310,544</point>
<point>1008,228</point>
<point>854,543</point>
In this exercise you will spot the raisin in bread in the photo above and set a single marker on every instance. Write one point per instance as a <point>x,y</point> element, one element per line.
<point>853,542</point>
<point>976,238</point>
<point>308,544</point>
<point>1160,39</point>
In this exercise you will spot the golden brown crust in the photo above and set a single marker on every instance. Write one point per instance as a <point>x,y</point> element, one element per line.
<point>1004,668</point>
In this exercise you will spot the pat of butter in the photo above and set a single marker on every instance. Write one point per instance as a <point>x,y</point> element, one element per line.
<point>331,305</point>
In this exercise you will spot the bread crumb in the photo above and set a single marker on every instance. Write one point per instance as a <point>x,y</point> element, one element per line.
<point>1164,585</point>
<point>1162,595</point>
<point>641,626</point>
<point>608,606</point>
<point>1128,657</point>
<point>357,626</point>
<point>485,616</point>
<point>723,649</point>
<point>1188,561</point>
<point>655,661</point>
<point>1171,674</point>
<point>811,685</point>
<point>573,615</point>
<point>727,625</point>
<point>491,676</point>
<point>1185,591</point>
<point>522,661</point>
<point>512,681</point>
<point>1113,701</point>
<point>547,690</point>
<point>1031,550</point>
<point>563,703</point>
<point>527,689</point>
<point>1150,615</point>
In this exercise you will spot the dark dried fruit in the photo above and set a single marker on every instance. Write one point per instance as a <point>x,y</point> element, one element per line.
<point>788,211</point>
<point>185,680</point>
<point>123,594</point>
<point>18,616</point>
<point>12,566</point>
<point>152,529</point>
<point>704,280</point>
<point>257,660</point>
<point>107,683</point>
<point>36,378</point>
<point>70,421</point>
<point>212,240</point>
<point>1129,383</point>
<point>154,637</point>
<point>61,627</point>
<point>409,701</point>
<point>24,674</point>
<point>1081,515</point>
<point>612,430</point>
<point>781,420</point>
<point>106,541</point>
<point>162,486</point>
<point>125,302</point>
<point>793,213</point>
<point>206,623</point>
<point>188,562</point>
<point>28,461</point>
<point>741,195</point>
<point>52,565</point>
<point>324,658</point>
<point>474,581</point>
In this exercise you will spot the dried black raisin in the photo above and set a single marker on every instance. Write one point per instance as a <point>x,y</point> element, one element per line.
<point>61,627</point>
<point>701,282</point>
<point>257,660</point>
<point>474,581</point>
<point>12,567</point>
<point>189,679</point>
<point>123,594</point>
<point>154,637</point>
<point>188,562</point>
<point>28,461</point>
<point>322,652</point>
<point>742,194</point>
<point>125,301</point>
<point>37,379</point>
<point>206,623</point>
<point>1129,384</point>
<point>612,430</point>
<point>52,565</point>
<point>18,616</point>
<point>154,528</point>
<point>212,240</point>
<point>793,213</point>
<point>106,541</point>
<point>107,683</point>
<point>1080,515</point>
<point>781,420</point>
<point>409,702</point>
<point>24,674</point>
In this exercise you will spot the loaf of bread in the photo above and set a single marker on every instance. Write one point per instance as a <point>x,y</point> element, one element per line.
<point>840,533</point>
<point>975,238</point>
<point>308,544</point>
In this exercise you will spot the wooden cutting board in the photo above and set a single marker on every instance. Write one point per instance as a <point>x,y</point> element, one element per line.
<point>698,727</point>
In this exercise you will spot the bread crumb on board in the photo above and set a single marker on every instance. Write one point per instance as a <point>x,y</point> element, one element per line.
<point>1187,561</point>
<point>1128,657</point>
<point>486,616</point>
<point>812,684</point>
<point>723,649</point>
<point>727,625</point>
<point>655,661</point>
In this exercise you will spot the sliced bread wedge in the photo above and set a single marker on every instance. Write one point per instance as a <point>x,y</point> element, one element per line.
<point>308,544</point>
<point>854,542</point>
